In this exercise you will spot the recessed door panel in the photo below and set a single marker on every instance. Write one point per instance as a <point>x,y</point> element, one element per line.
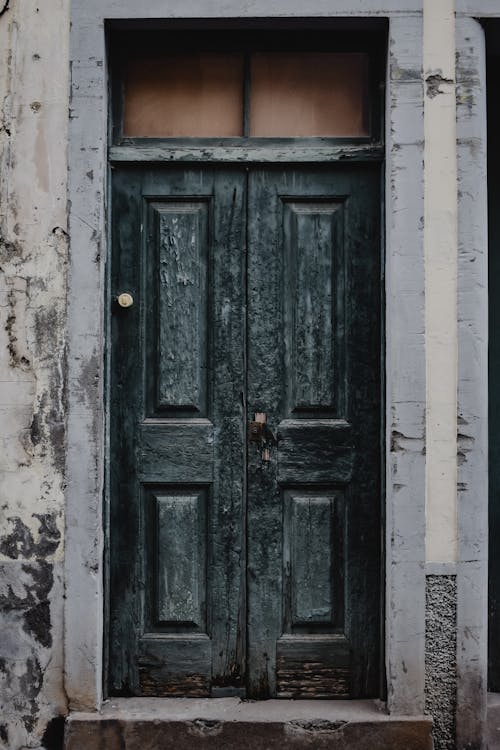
<point>308,553</point>
<point>314,289</point>
<point>177,278</point>
<point>181,559</point>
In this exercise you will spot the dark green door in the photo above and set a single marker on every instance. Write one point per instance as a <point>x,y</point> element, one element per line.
<point>240,566</point>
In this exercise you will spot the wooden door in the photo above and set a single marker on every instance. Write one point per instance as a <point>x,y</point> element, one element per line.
<point>177,432</point>
<point>238,567</point>
<point>314,369</point>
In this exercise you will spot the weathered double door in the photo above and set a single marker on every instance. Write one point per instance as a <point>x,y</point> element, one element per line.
<point>239,566</point>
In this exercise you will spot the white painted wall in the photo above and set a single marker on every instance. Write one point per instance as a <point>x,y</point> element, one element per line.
<point>440,242</point>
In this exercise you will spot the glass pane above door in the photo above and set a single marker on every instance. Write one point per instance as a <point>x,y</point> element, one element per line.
<point>262,95</point>
<point>308,94</point>
<point>184,95</point>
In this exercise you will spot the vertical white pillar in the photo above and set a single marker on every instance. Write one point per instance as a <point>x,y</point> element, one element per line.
<point>440,243</point>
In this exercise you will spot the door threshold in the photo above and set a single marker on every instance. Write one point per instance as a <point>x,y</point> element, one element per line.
<point>226,723</point>
<point>493,721</point>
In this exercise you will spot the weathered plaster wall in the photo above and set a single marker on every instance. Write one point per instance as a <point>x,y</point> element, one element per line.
<point>34,73</point>
<point>33,260</point>
<point>472,427</point>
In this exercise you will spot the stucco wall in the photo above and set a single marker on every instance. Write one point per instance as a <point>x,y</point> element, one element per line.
<point>34,109</point>
<point>34,78</point>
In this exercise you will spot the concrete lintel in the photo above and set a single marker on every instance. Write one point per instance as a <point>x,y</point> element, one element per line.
<point>156,9</point>
<point>478,8</point>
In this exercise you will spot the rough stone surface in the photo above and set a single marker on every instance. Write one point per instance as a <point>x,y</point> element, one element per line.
<point>228,723</point>
<point>33,261</point>
<point>440,657</point>
<point>493,721</point>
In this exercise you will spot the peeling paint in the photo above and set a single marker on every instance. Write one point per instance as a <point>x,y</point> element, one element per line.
<point>33,270</point>
<point>21,542</point>
<point>433,84</point>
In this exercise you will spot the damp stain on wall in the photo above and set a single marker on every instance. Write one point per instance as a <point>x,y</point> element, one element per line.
<point>34,246</point>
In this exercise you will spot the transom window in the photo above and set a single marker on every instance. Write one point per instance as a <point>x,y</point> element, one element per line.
<point>286,94</point>
<point>254,85</point>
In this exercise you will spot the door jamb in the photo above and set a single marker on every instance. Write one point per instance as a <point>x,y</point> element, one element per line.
<point>405,402</point>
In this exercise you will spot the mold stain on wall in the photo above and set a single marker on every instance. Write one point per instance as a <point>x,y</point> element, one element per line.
<point>33,270</point>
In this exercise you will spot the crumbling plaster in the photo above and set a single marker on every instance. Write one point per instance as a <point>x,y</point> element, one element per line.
<point>34,84</point>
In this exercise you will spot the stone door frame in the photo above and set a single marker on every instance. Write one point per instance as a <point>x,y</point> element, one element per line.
<point>404,333</point>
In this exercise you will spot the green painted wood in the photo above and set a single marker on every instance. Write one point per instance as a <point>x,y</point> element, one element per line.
<point>181,558</point>
<point>175,451</point>
<point>246,150</point>
<point>337,442</point>
<point>314,667</point>
<point>182,243</point>
<point>313,278</point>
<point>255,291</point>
<point>158,659</point>
<point>315,450</point>
<point>312,543</point>
<point>177,432</point>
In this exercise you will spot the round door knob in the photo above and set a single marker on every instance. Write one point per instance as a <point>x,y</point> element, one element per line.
<point>125,300</point>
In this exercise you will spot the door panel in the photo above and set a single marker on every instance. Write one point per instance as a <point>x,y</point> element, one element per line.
<point>255,291</point>
<point>313,368</point>
<point>178,273</point>
<point>177,433</point>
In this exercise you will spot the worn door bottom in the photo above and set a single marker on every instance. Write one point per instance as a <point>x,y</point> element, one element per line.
<point>226,723</point>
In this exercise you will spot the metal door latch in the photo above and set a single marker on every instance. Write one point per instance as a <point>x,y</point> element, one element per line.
<point>256,427</point>
<point>260,433</point>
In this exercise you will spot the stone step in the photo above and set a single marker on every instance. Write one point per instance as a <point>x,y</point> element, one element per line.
<point>493,721</point>
<point>231,723</point>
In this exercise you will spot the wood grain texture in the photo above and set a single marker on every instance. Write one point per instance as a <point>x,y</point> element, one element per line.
<point>174,666</point>
<point>314,560</point>
<point>274,282</point>
<point>181,550</point>
<point>181,232</point>
<point>310,532</point>
<point>315,451</point>
<point>274,151</point>
<point>314,276</point>
<point>314,667</point>
<point>333,440</point>
<point>178,432</point>
<point>175,451</point>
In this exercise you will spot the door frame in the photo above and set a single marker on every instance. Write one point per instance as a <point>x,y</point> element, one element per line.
<point>404,322</point>
<point>133,184</point>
